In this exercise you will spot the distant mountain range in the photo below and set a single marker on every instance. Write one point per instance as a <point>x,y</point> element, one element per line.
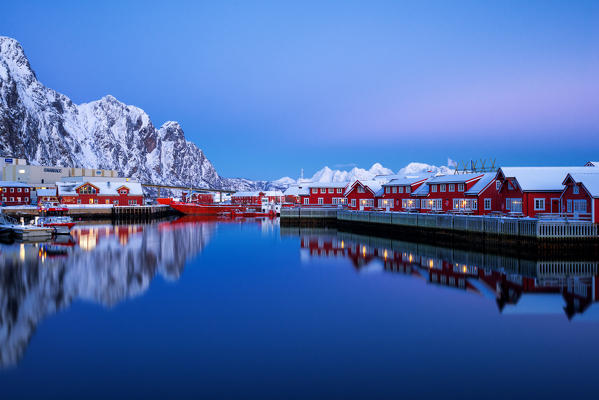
<point>46,127</point>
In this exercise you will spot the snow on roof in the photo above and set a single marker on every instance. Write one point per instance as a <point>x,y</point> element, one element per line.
<point>404,180</point>
<point>296,191</point>
<point>455,178</point>
<point>257,193</point>
<point>422,190</point>
<point>105,187</point>
<point>46,192</point>
<point>592,164</point>
<point>374,186</point>
<point>540,178</point>
<point>339,185</point>
<point>589,180</point>
<point>13,184</point>
<point>482,183</point>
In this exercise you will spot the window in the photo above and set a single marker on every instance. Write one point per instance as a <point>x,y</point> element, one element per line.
<point>314,191</point>
<point>387,190</point>
<point>12,190</point>
<point>26,190</point>
<point>339,190</point>
<point>360,189</point>
<point>306,201</point>
<point>487,204</point>
<point>578,206</point>
<point>331,190</point>
<point>18,199</point>
<point>353,202</point>
<point>498,185</point>
<point>320,200</point>
<point>456,204</point>
<point>513,205</point>
<point>575,189</point>
<point>107,201</point>
<point>12,199</point>
<point>4,199</point>
<point>335,200</point>
<point>400,189</point>
<point>394,190</point>
<point>323,190</point>
<point>451,187</point>
<point>442,188</point>
<point>19,190</point>
<point>408,189</point>
<point>539,204</point>
<point>78,201</point>
<point>132,202</point>
<point>433,188</point>
<point>460,187</point>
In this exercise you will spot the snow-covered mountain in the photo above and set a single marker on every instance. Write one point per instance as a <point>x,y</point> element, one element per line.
<point>46,127</point>
<point>413,169</point>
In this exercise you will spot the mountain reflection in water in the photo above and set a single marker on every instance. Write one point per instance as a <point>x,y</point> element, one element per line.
<point>104,264</point>
<point>518,286</point>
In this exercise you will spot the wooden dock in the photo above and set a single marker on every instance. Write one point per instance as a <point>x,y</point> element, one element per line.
<point>119,213</point>
<point>525,228</point>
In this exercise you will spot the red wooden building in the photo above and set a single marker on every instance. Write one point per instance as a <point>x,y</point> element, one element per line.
<point>257,197</point>
<point>324,194</point>
<point>580,197</point>
<point>100,192</point>
<point>47,196</point>
<point>448,193</point>
<point>361,195</point>
<point>14,193</point>
<point>485,195</point>
<point>397,193</point>
<point>531,191</point>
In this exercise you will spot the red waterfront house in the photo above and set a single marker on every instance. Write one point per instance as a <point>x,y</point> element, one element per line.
<point>271,196</point>
<point>448,193</point>
<point>361,195</point>
<point>117,193</point>
<point>324,194</point>
<point>47,196</point>
<point>396,195</point>
<point>531,191</point>
<point>14,193</point>
<point>580,197</point>
<point>485,195</point>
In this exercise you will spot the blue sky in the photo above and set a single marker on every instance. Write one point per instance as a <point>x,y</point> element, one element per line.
<point>267,88</point>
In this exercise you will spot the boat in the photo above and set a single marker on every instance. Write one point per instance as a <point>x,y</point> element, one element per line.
<point>53,216</point>
<point>205,209</point>
<point>9,226</point>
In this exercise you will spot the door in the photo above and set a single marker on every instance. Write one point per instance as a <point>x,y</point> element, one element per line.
<point>555,206</point>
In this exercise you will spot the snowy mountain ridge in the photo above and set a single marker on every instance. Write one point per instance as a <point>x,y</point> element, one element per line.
<point>46,127</point>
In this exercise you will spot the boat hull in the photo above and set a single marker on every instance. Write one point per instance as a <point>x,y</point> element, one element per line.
<point>205,209</point>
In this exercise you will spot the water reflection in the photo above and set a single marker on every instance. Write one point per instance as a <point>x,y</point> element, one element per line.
<point>104,264</point>
<point>517,285</point>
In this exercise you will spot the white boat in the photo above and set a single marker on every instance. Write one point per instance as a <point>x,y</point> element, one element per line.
<point>9,226</point>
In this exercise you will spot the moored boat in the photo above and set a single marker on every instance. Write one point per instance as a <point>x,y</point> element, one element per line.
<point>53,216</point>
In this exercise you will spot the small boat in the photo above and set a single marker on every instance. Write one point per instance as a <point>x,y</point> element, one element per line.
<point>25,232</point>
<point>53,216</point>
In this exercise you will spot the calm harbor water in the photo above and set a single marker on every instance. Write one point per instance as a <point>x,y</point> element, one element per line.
<point>249,309</point>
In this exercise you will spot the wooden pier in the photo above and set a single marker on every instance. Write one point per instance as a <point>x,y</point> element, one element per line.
<point>509,227</point>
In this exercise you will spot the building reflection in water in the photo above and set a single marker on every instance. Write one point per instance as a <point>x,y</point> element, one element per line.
<point>518,286</point>
<point>103,264</point>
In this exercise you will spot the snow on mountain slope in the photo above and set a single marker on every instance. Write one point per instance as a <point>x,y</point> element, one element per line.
<point>327,175</point>
<point>46,127</point>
